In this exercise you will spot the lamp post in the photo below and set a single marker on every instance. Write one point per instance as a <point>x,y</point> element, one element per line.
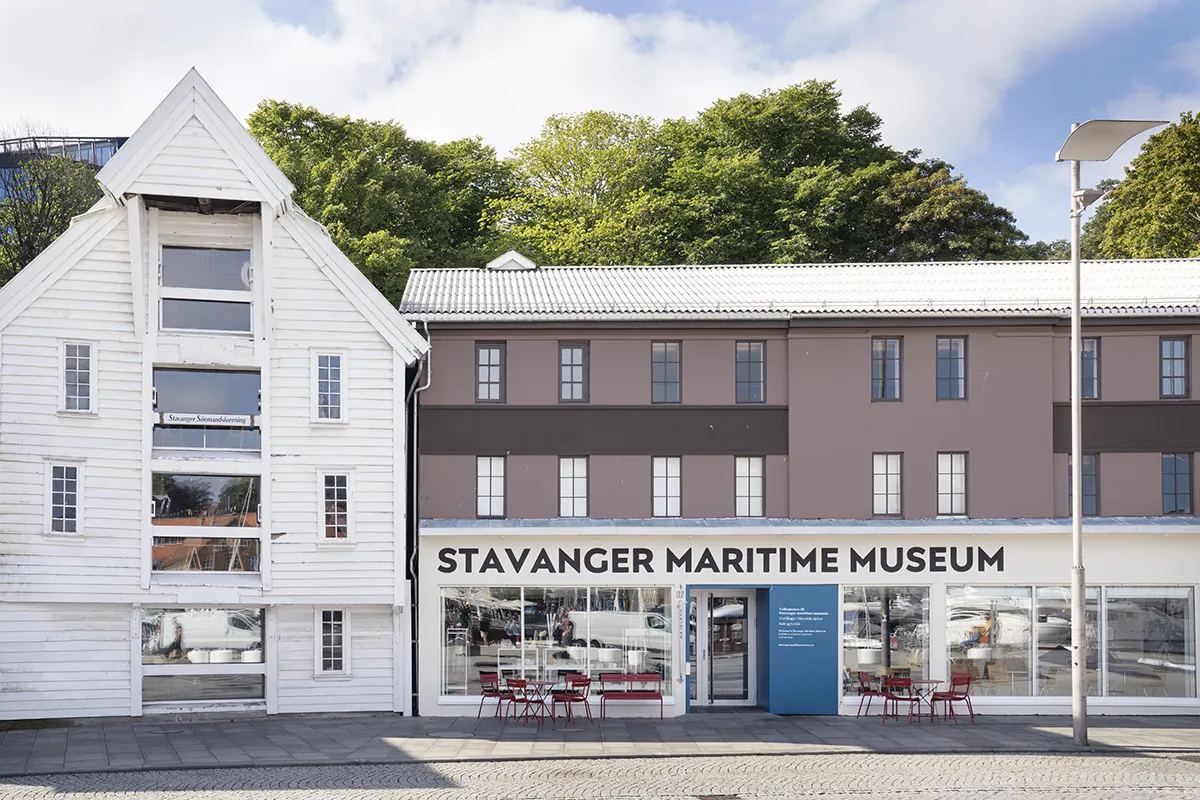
<point>1095,140</point>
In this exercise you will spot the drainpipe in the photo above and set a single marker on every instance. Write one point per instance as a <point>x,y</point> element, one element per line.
<point>424,366</point>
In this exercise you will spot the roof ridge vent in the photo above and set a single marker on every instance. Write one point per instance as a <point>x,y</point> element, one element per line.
<point>512,261</point>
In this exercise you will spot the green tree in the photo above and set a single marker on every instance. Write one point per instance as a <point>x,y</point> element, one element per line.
<point>1153,212</point>
<point>390,202</point>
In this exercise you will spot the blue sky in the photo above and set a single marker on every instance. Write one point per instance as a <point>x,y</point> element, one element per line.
<point>991,87</point>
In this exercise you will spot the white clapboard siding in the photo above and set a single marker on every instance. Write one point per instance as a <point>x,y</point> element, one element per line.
<point>64,660</point>
<point>369,686</point>
<point>310,312</point>
<point>194,163</point>
<point>92,301</point>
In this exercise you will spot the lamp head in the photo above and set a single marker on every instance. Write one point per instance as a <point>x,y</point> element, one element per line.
<point>1098,139</point>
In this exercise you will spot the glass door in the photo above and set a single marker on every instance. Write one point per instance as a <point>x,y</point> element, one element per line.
<point>723,650</point>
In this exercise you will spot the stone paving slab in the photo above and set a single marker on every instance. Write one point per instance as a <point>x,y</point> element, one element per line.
<point>110,746</point>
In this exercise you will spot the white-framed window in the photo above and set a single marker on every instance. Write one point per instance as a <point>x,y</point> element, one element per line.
<point>665,478</point>
<point>490,372</point>
<point>205,289</point>
<point>489,487</point>
<point>78,384</point>
<point>885,483</point>
<point>573,487</point>
<point>329,386</point>
<point>64,497</point>
<point>337,511</point>
<point>952,484</point>
<point>332,655</point>
<point>748,486</point>
<point>572,372</point>
<point>1089,365</point>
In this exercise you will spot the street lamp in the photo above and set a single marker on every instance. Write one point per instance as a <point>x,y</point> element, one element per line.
<point>1094,140</point>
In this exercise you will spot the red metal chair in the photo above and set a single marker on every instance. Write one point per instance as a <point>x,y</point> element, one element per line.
<point>960,692</point>
<point>866,692</point>
<point>490,685</point>
<point>578,687</point>
<point>522,696</point>
<point>897,691</point>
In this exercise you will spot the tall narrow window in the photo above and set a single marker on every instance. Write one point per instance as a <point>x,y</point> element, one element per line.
<point>1091,484</point>
<point>329,387</point>
<point>572,487</point>
<point>1090,368</point>
<point>77,377</point>
<point>1174,366</point>
<point>885,483</point>
<point>664,372</point>
<point>64,499</point>
<point>748,486</point>
<point>665,473</point>
<point>952,484</point>
<point>885,369</point>
<point>489,379</point>
<point>951,368</point>
<point>572,372</point>
<point>489,486</point>
<point>749,372</point>
<point>337,506</point>
<point>1177,483</point>
<point>333,641</point>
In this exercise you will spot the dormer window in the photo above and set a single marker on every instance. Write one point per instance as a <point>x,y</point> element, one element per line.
<point>206,289</point>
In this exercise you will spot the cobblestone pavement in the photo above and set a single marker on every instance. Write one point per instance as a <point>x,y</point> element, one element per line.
<point>894,777</point>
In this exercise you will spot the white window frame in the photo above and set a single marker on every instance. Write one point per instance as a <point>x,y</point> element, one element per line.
<point>351,527</point>
<point>319,670</point>
<point>177,231</point>
<point>753,499</point>
<point>572,473</point>
<point>91,410</point>
<point>48,516</point>
<point>664,503</point>
<point>964,495</point>
<point>315,371</point>
<point>885,467</point>
<point>490,477</point>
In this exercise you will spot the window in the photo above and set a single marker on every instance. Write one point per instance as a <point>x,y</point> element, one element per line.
<point>951,368</point>
<point>665,474</point>
<point>64,500</point>
<point>77,377</point>
<point>1090,368</point>
<point>903,611</point>
<point>336,514</point>
<point>1174,366</point>
<point>489,486</point>
<point>572,487</point>
<point>1177,483</point>
<point>995,623</point>
<point>1151,648</point>
<point>206,289</point>
<point>749,372</point>
<point>181,503</point>
<point>952,484</point>
<point>206,409</point>
<point>1091,486</point>
<point>748,486</point>
<point>664,372</point>
<point>332,654</point>
<point>179,644</point>
<point>204,554</point>
<point>573,372</point>
<point>885,483</point>
<point>489,380</point>
<point>885,369</point>
<point>329,388</point>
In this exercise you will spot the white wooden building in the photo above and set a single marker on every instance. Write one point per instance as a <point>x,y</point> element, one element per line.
<point>195,353</point>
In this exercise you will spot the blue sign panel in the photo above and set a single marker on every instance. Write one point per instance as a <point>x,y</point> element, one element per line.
<point>802,649</point>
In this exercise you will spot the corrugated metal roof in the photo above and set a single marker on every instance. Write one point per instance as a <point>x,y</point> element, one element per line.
<point>1155,287</point>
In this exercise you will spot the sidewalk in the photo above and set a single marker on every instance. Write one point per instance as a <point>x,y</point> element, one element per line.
<point>375,739</point>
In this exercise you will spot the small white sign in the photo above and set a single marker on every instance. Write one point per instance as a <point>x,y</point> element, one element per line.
<point>221,420</point>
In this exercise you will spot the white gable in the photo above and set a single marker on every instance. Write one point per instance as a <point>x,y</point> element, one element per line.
<point>194,164</point>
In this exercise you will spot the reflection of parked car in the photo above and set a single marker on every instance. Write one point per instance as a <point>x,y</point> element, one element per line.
<point>637,629</point>
<point>210,629</point>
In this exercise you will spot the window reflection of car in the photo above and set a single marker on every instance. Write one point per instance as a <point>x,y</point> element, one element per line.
<point>210,629</point>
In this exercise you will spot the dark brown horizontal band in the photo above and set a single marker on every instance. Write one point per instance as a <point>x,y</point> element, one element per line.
<point>1164,426</point>
<point>603,430</point>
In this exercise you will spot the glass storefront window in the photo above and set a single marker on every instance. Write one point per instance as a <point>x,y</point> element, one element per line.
<point>1151,650</point>
<point>202,636</point>
<point>903,611</point>
<point>989,636</point>
<point>199,688</point>
<point>546,633</point>
<point>1053,630</point>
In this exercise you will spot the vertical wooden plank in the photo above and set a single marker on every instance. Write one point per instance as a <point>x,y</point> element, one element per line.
<point>137,263</point>
<point>271,668</point>
<point>149,350</point>
<point>264,341</point>
<point>135,661</point>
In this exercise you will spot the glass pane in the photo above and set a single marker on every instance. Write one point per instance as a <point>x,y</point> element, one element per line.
<point>904,613</point>
<point>205,315</point>
<point>204,554</point>
<point>989,635</point>
<point>202,635</point>
<point>195,391</point>
<point>198,268</point>
<point>1151,649</point>
<point>1053,626</point>
<point>217,501</point>
<point>189,688</point>
<point>628,630</point>
<point>728,642</point>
